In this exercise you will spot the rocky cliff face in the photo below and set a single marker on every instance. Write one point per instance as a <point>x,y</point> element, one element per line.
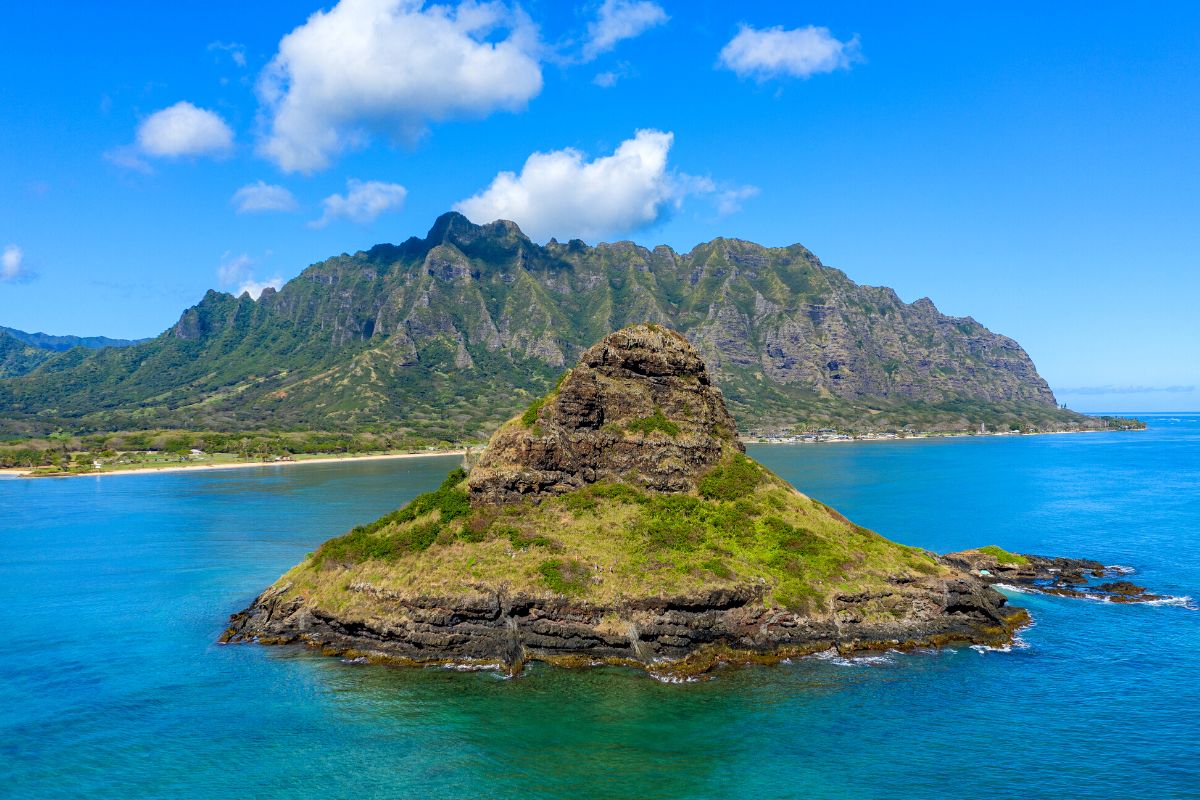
<point>450,333</point>
<point>672,637</point>
<point>606,419</point>
<point>619,521</point>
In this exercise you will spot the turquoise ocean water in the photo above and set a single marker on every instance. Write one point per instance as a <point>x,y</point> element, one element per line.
<point>115,589</point>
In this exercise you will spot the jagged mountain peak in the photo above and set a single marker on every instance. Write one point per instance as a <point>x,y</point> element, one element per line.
<point>453,227</point>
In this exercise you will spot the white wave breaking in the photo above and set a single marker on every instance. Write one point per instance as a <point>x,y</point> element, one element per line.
<point>1183,601</point>
<point>471,667</point>
<point>832,656</point>
<point>1016,644</point>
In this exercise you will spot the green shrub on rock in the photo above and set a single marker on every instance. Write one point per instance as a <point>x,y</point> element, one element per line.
<point>564,576</point>
<point>734,479</point>
<point>655,422</point>
<point>1003,556</point>
<point>370,541</point>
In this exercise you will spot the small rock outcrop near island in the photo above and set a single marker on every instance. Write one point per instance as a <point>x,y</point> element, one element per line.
<point>1065,577</point>
<point>618,520</point>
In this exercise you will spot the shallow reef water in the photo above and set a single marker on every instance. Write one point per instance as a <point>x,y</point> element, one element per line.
<point>116,588</point>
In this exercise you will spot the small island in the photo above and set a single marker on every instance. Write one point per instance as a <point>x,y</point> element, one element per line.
<point>618,520</point>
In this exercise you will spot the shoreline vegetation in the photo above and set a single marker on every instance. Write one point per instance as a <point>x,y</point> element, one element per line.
<point>216,462</point>
<point>68,462</point>
<point>155,449</point>
<point>143,462</point>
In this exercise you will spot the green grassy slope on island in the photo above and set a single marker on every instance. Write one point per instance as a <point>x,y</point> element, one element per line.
<point>610,541</point>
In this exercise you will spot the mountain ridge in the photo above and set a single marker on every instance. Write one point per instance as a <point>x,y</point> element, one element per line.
<point>446,335</point>
<point>57,343</point>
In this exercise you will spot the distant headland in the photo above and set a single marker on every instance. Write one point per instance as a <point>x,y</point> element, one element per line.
<point>443,337</point>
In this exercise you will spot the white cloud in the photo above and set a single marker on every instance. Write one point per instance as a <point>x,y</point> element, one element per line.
<point>390,67</point>
<point>235,50</point>
<point>184,130</point>
<point>233,269</point>
<point>255,288</point>
<point>729,201</point>
<point>618,20</point>
<point>234,272</point>
<point>362,203</point>
<point>260,196</point>
<point>126,157</point>
<point>561,194</point>
<point>776,52</point>
<point>609,78</point>
<point>12,263</point>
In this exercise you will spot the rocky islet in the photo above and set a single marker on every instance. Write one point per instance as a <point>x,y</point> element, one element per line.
<point>618,521</point>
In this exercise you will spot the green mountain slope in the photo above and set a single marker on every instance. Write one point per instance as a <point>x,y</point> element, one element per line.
<point>17,357</point>
<point>448,335</point>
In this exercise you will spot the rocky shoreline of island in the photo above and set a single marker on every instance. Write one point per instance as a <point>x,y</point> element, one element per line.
<point>1079,578</point>
<point>669,637</point>
<point>683,637</point>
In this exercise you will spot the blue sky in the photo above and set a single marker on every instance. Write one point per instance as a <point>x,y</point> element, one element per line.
<point>1035,169</point>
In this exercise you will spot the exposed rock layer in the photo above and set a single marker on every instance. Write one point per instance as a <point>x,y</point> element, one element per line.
<point>661,633</point>
<point>646,376</point>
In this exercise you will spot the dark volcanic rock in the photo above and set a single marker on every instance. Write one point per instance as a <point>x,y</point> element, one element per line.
<point>1126,588</point>
<point>640,406</point>
<point>1062,577</point>
<point>492,627</point>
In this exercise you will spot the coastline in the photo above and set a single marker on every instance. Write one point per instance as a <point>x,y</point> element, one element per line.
<point>21,472</point>
<point>153,470</point>
<point>861,439</point>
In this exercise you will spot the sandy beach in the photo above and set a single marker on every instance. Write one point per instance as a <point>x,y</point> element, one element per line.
<point>25,473</point>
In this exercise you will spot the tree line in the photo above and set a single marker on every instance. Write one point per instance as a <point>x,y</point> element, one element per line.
<point>63,449</point>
